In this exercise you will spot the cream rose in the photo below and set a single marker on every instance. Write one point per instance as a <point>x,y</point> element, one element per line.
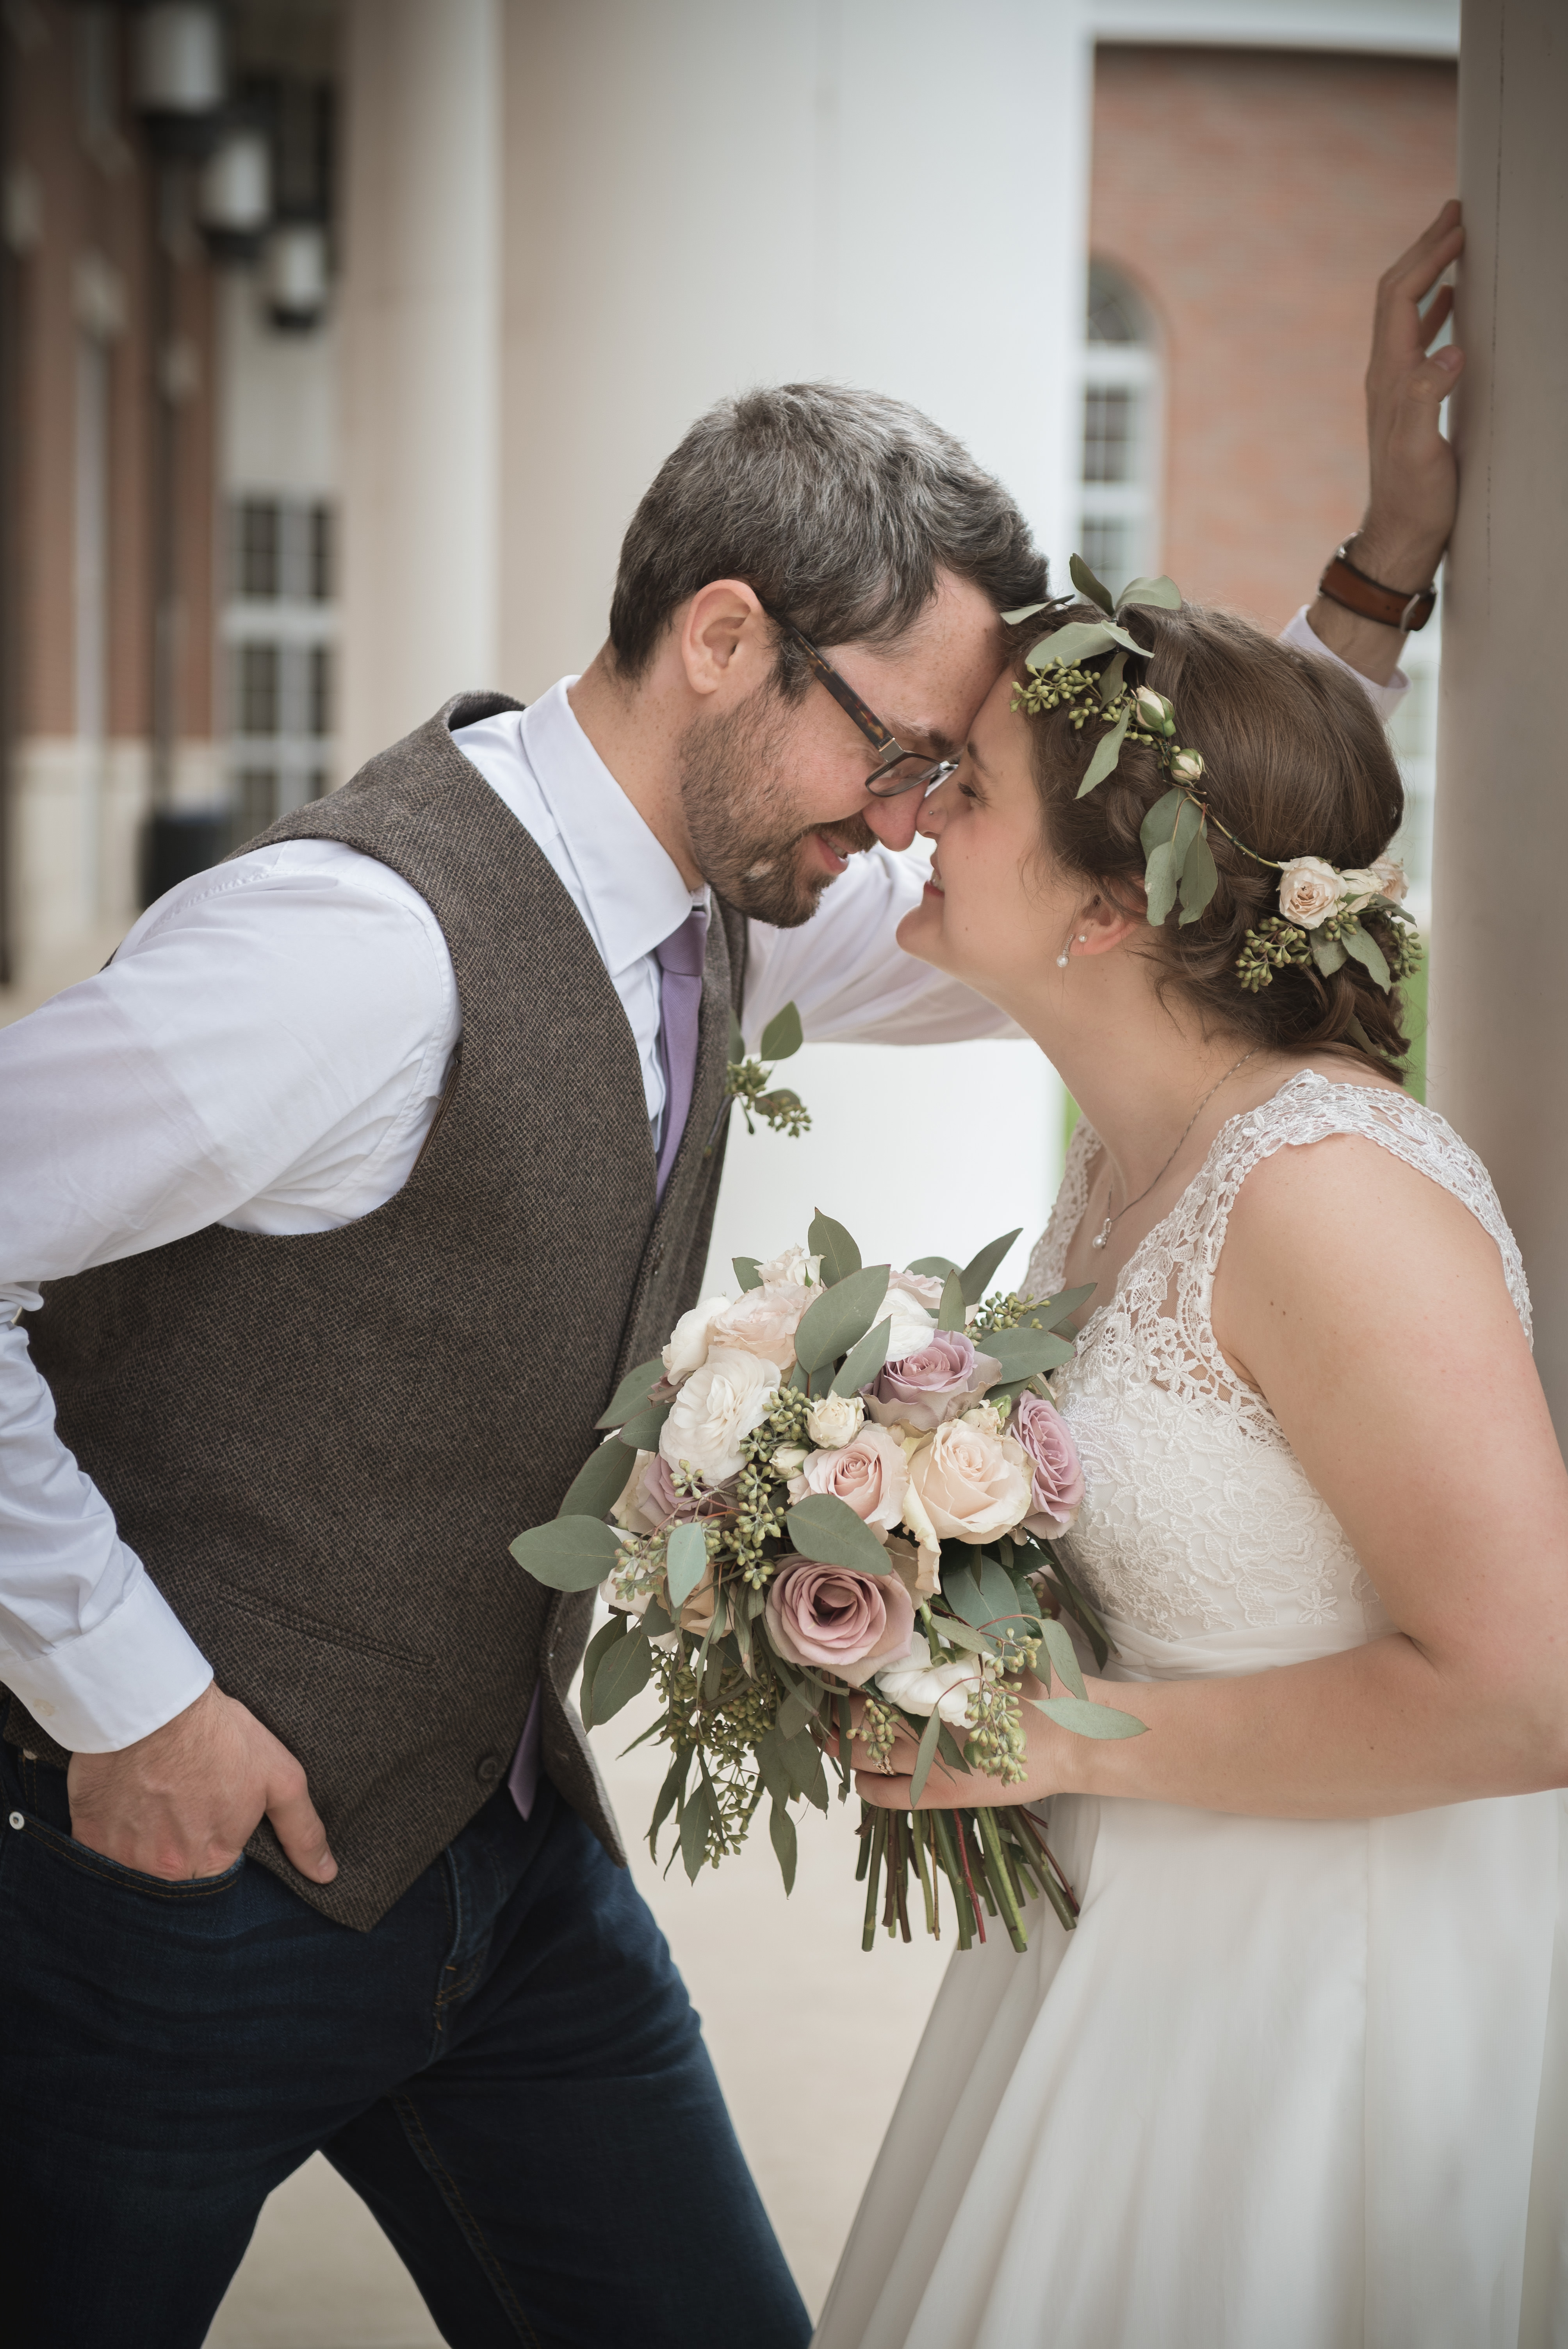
<point>716,1411</point>
<point>971,1484</point>
<point>911,1310</point>
<point>1390,874</point>
<point>834,1420</point>
<point>763,1321</point>
<point>791,1265</point>
<point>870,1475</point>
<point>1309,890</point>
<point>687,1349</point>
<point>922,1688</point>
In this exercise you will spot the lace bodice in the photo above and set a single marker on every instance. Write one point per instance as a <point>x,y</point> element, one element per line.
<point>1200,1533</point>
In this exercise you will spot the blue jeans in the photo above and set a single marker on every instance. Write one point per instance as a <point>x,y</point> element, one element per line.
<point>507,2069</point>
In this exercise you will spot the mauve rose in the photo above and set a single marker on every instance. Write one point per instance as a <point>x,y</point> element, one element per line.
<point>939,1381</point>
<point>840,1621</point>
<point>870,1474</point>
<point>1046,1439</point>
<point>651,1500</point>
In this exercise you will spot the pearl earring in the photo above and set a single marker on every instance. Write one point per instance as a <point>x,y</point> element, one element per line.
<point>1061,962</point>
<point>1062,959</point>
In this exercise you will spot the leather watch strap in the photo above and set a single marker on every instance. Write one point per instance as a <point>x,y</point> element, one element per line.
<point>1343,584</point>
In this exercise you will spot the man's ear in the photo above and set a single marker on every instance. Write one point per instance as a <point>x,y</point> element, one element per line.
<point>724,639</point>
<point>1100,925</point>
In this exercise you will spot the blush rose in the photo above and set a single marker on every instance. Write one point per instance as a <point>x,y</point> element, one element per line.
<point>870,1474</point>
<point>970,1484</point>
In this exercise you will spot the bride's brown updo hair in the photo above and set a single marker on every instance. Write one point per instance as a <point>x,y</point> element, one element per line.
<point>1296,763</point>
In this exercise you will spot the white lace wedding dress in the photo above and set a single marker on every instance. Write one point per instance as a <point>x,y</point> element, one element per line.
<point>1290,2085</point>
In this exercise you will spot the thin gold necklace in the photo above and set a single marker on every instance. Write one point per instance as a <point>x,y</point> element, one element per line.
<point>1104,1232</point>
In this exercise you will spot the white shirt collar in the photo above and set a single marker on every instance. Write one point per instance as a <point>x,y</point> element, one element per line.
<point>632,889</point>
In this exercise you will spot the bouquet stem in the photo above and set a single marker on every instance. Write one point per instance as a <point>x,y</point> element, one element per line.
<point>993,1857</point>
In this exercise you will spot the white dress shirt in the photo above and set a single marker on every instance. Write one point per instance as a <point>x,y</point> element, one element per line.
<point>266,1050</point>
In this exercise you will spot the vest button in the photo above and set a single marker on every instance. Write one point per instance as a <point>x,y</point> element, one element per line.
<point>17,1820</point>
<point>486,1769</point>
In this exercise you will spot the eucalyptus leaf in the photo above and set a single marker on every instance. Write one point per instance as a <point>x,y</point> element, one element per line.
<point>1089,586</point>
<point>1081,641</point>
<point>1024,1353</point>
<point>1059,1646</point>
<point>967,1636</point>
<point>837,1319</point>
<point>1106,751</point>
<point>736,1040</point>
<point>1163,594</point>
<point>1160,824</point>
<point>642,1433</point>
<point>1329,953</point>
<point>1083,1613</point>
<point>949,1749</point>
<point>934,1268</point>
<point>605,1637</point>
<point>977,1274</point>
<point>1112,677</point>
<point>950,1312</point>
<point>695,1815</point>
<point>983,1596</point>
<point>827,1529</point>
<point>1087,1720</point>
<point>1159,877</point>
<point>782,1037</point>
<point>600,1482</point>
<point>685,1563</point>
<point>747,1272</point>
<point>632,1393</point>
<point>925,1757</point>
<point>1369,953</point>
<point>838,1251</point>
<point>669,1794</point>
<point>623,1674</point>
<point>773,1766</point>
<point>781,1830</point>
<point>1199,879</point>
<point>815,1787</point>
<point>863,1360</point>
<point>1063,1307</point>
<point>1189,823</point>
<point>570,1553</point>
<point>798,1708</point>
<point>1022,612</point>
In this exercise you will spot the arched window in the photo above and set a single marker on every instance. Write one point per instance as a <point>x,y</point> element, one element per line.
<point>1119,464</point>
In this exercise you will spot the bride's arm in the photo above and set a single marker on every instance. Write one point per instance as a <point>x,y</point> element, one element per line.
<point>1369,1307</point>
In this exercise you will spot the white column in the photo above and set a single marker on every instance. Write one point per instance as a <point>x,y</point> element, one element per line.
<point>1499,950</point>
<point>421,381</point>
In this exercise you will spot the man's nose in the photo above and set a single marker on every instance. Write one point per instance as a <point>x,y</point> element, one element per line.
<point>893,820</point>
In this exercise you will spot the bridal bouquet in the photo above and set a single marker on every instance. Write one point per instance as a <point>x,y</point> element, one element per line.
<point>829,1509</point>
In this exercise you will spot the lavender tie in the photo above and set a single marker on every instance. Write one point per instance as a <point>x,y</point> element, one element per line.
<point>680,985</point>
<point>680,965</point>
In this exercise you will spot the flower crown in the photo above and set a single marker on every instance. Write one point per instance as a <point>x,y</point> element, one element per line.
<point>1319,920</point>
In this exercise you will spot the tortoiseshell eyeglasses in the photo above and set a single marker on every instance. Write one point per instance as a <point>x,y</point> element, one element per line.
<point>901,770</point>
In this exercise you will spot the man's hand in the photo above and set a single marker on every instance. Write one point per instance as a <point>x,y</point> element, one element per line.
<point>185,1801</point>
<point>1414,481</point>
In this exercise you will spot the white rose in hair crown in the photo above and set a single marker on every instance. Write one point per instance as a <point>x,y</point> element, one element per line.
<point>843,1479</point>
<point>1325,917</point>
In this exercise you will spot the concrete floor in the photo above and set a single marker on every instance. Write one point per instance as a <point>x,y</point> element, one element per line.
<point>320,2274</point>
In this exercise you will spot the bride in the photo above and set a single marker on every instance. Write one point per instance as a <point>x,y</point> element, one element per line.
<point>1299,2079</point>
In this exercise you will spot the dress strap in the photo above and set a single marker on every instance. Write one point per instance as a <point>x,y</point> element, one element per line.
<point>1048,1262</point>
<point>1310,1108</point>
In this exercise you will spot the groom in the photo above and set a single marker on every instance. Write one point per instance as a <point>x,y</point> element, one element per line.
<point>352,1185</point>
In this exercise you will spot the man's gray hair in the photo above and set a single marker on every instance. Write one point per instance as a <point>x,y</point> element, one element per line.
<point>837,507</point>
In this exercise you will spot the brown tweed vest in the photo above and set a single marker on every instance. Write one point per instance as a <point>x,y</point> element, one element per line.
<point>322,1446</point>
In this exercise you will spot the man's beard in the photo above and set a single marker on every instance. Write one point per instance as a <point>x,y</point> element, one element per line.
<point>745,838</point>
